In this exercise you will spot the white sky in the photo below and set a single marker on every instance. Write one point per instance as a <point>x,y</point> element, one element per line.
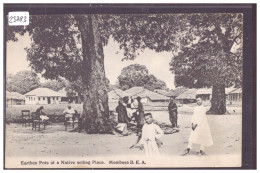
<point>157,63</point>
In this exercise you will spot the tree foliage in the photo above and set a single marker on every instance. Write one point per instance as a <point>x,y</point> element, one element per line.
<point>138,75</point>
<point>211,51</point>
<point>55,85</point>
<point>56,48</point>
<point>22,82</point>
<point>71,46</point>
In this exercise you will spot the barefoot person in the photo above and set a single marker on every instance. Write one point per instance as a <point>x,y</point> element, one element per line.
<point>200,133</point>
<point>139,118</point>
<point>150,133</point>
<point>173,114</point>
<point>140,115</point>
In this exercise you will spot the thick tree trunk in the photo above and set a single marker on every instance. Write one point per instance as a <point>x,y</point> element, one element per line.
<point>218,101</point>
<point>95,99</point>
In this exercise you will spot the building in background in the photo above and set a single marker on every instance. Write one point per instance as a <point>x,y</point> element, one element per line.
<point>14,98</point>
<point>150,96</point>
<point>188,96</point>
<point>43,96</point>
<point>204,93</point>
<point>115,94</point>
<point>235,95</point>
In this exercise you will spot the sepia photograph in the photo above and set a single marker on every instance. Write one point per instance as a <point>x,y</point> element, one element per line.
<point>155,88</point>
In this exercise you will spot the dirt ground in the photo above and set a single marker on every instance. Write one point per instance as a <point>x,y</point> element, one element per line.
<point>55,142</point>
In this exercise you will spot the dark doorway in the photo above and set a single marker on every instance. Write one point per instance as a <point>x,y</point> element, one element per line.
<point>49,100</point>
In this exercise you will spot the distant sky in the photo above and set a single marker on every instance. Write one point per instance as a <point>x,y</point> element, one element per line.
<point>157,63</point>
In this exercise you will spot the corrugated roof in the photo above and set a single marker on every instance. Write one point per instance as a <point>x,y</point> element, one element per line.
<point>176,92</point>
<point>189,94</point>
<point>133,91</point>
<point>44,92</point>
<point>115,93</point>
<point>119,92</point>
<point>162,92</point>
<point>151,95</point>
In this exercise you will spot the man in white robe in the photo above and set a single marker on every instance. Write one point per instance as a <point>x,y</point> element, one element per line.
<point>200,133</point>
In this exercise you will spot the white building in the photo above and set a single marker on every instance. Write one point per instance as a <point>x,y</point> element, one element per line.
<point>43,96</point>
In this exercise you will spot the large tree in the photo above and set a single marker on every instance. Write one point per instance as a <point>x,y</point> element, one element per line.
<point>22,82</point>
<point>211,55</point>
<point>71,46</point>
<point>138,75</point>
<point>76,89</point>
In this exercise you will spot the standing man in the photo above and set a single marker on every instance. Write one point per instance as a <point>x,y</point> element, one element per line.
<point>122,112</point>
<point>173,113</point>
<point>139,118</point>
<point>200,133</point>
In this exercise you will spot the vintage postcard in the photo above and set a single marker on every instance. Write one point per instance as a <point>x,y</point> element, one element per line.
<point>102,89</point>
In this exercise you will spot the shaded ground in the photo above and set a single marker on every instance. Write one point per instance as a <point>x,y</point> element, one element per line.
<point>56,142</point>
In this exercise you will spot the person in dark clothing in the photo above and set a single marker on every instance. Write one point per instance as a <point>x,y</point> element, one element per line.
<point>40,114</point>
<point>122,113</point>
<point>173,113</point>
<point>139,118</point>
<point>39,111</point>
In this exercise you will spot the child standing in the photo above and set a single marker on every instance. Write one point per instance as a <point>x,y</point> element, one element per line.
<point>150,133</point>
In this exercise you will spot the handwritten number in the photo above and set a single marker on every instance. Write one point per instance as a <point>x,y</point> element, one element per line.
<point>14,19</point>
<point>10,19</point>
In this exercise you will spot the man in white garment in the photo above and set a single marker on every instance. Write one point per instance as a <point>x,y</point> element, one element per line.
<point>200,131</point>
<point>69,112</point>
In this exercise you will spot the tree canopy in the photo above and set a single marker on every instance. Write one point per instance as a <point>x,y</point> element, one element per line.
<point>138,75</point>
<point>194,39</point>
<point>71,46</point>
<point>211,52</point>
<point>56,48</point>
<point>22,82</point>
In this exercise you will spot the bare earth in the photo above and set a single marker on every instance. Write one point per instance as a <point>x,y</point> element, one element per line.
<point>25,144</point>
